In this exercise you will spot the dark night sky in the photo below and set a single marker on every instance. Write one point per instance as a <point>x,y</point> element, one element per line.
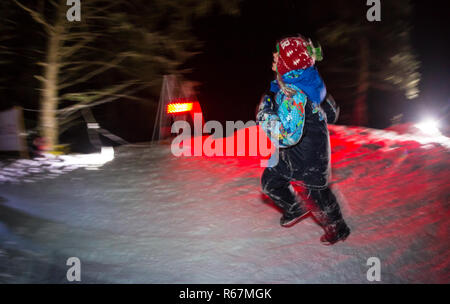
<point>430,40</point>
<point>235,65</point>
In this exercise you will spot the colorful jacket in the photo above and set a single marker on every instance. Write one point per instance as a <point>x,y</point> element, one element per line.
<point>283,117</point>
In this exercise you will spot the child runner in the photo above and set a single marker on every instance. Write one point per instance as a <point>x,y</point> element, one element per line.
<point>294,114</point>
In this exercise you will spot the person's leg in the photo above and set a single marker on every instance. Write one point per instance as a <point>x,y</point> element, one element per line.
<point>328,213</point>
<point>279,189</point>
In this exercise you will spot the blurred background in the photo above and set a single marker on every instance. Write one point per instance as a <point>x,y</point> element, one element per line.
<point>69,90</point>
<point>113,61</point>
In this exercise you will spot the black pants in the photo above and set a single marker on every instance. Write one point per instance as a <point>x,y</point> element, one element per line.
<point>322,203</point>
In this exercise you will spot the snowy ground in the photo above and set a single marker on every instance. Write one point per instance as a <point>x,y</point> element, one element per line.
<point>149,217</point>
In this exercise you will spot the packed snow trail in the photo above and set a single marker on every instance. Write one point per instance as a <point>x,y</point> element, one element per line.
<point>150,217</point>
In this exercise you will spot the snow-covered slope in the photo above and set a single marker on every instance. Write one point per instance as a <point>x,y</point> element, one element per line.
<point>150,217</point>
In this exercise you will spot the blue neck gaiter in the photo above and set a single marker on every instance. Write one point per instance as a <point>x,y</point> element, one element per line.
<point>307,80</point>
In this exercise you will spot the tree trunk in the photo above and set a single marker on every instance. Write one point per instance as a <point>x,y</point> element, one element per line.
<point>48,123</point>
<point>360,109</point>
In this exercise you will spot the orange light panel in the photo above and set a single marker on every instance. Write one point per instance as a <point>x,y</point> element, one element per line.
<point>179,107</point>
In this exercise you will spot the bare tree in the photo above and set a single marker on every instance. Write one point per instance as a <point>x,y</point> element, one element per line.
<point>375,55</point>
<point>117,49</point>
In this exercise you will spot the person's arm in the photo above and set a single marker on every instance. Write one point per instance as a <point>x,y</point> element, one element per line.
<point>267,118</point>
<point>330,108</point>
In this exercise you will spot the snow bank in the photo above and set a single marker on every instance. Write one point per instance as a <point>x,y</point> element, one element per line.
<point>150,217</point>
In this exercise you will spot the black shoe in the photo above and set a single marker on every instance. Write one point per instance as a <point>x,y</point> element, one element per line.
<point>289,220</point>
<point>333,235</point>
